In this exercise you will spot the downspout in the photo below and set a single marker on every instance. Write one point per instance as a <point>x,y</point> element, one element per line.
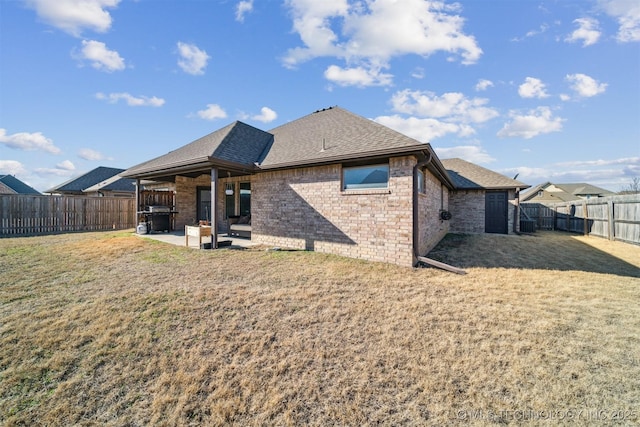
<point>516,213</point>
<point>416,207</point>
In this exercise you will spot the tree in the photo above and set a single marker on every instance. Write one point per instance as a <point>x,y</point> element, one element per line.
<point>633,187</point>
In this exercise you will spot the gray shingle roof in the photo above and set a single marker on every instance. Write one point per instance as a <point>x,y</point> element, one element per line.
<point>237,143</point>
<point>16,185</point>
<point>567,193</point>
<point>466,175</point>
<point>333,133</point>
<point>115,183</point>
<point>93,177</point>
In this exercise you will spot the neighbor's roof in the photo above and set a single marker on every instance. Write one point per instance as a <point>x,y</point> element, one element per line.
<point>334,134</point>
<point>115,183</point>
<point>17,186</point>
<point>237,143</point>
<point>470,176</point>
<point>91,178</point>
<point>564,192</point>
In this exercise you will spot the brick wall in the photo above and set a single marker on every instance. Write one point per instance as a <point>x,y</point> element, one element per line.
<point>186,199</point>
<point>306,209</point>
<point>431,228</point>
<point>468,211</point>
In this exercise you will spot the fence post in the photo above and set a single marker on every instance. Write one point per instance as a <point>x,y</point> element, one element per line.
<point>611,220</point>
<point>585,220</point>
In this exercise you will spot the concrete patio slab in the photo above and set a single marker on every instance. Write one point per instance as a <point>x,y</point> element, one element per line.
<point>178,238</point>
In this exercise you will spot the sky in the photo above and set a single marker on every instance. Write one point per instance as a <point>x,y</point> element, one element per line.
<point>545,90</point>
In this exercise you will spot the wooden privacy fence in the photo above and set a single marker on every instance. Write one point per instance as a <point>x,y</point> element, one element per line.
<point>27,215</point>
<point>614,218</point>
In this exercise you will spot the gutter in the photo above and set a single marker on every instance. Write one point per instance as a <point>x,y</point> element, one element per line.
<point>416,229</point>
<point>416,207</point>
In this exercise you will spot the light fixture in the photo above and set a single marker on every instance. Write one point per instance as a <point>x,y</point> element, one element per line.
<point>229,190</point>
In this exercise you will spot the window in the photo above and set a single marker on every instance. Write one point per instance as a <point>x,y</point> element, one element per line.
<point>245,198</point>
<point>421,185</point>
<point>204,203</point>
<point>230,200</point>
<point>365,177</point>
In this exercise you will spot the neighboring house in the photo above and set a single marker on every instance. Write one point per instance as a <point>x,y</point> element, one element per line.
<point>9,184</point>
<point>332,182</point>
<point>99,182</point>
<point>554,193</point>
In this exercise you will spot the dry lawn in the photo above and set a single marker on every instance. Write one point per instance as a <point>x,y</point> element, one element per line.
<point>114,329</point>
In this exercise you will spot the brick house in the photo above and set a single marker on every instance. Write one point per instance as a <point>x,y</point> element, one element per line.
<point>331,181</point>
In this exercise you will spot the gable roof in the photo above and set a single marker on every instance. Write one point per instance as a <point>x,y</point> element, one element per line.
<point>115,183</point>
<point>564,192</point>
<point>237,144</point>
<point>466,175</point>
<point>334,134</point>
<point>79,184</point>
<point>17,186</point>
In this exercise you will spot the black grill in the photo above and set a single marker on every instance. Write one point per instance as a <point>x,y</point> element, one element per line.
<point>158,218</point>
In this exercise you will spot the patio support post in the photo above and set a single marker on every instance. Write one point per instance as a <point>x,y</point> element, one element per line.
<point>137,200</point>
<point>214,208</point>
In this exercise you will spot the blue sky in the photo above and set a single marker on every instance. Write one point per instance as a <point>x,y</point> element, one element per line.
<point>549,90</point>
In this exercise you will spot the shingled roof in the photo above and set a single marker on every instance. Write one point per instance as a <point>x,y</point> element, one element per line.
<point>16,186</point>
<point>116,184</point>
<point>237,143</point>
<point>549,192</point>
<point>79,184</point>
<point>329,135</point>
<point>334,134</point>
<point>469,176</point>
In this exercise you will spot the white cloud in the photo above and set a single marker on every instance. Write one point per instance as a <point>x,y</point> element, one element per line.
<point>12,167</point>
<point>358,76</point>
<point>470,153</point>
<point>627,12</point>
<point>66,165</point>
<point>132,101</point>
<point>536,122</point>
<point>452,106</point>
<point>585,86</point>
<point>72,16</point>
<point>28,142</point>
<point>242,9</point>
<point>266,115</point>
<point>92,155</point>
<point>483,84</point>
<point>433,116</point>
<point>369,35</point>
<point>418,73</point>
<point>611,174</point>
<point>532,33</point>
<point>601,162</point>
<point>212,112</point>
<point>532,88</point>
<point>423,130</point>
<point>588,32</point>
<point>192,59</point>
<point>100,57</point>
<point>65,168</point>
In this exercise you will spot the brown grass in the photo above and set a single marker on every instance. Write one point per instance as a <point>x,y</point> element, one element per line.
<point>113,329</point>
